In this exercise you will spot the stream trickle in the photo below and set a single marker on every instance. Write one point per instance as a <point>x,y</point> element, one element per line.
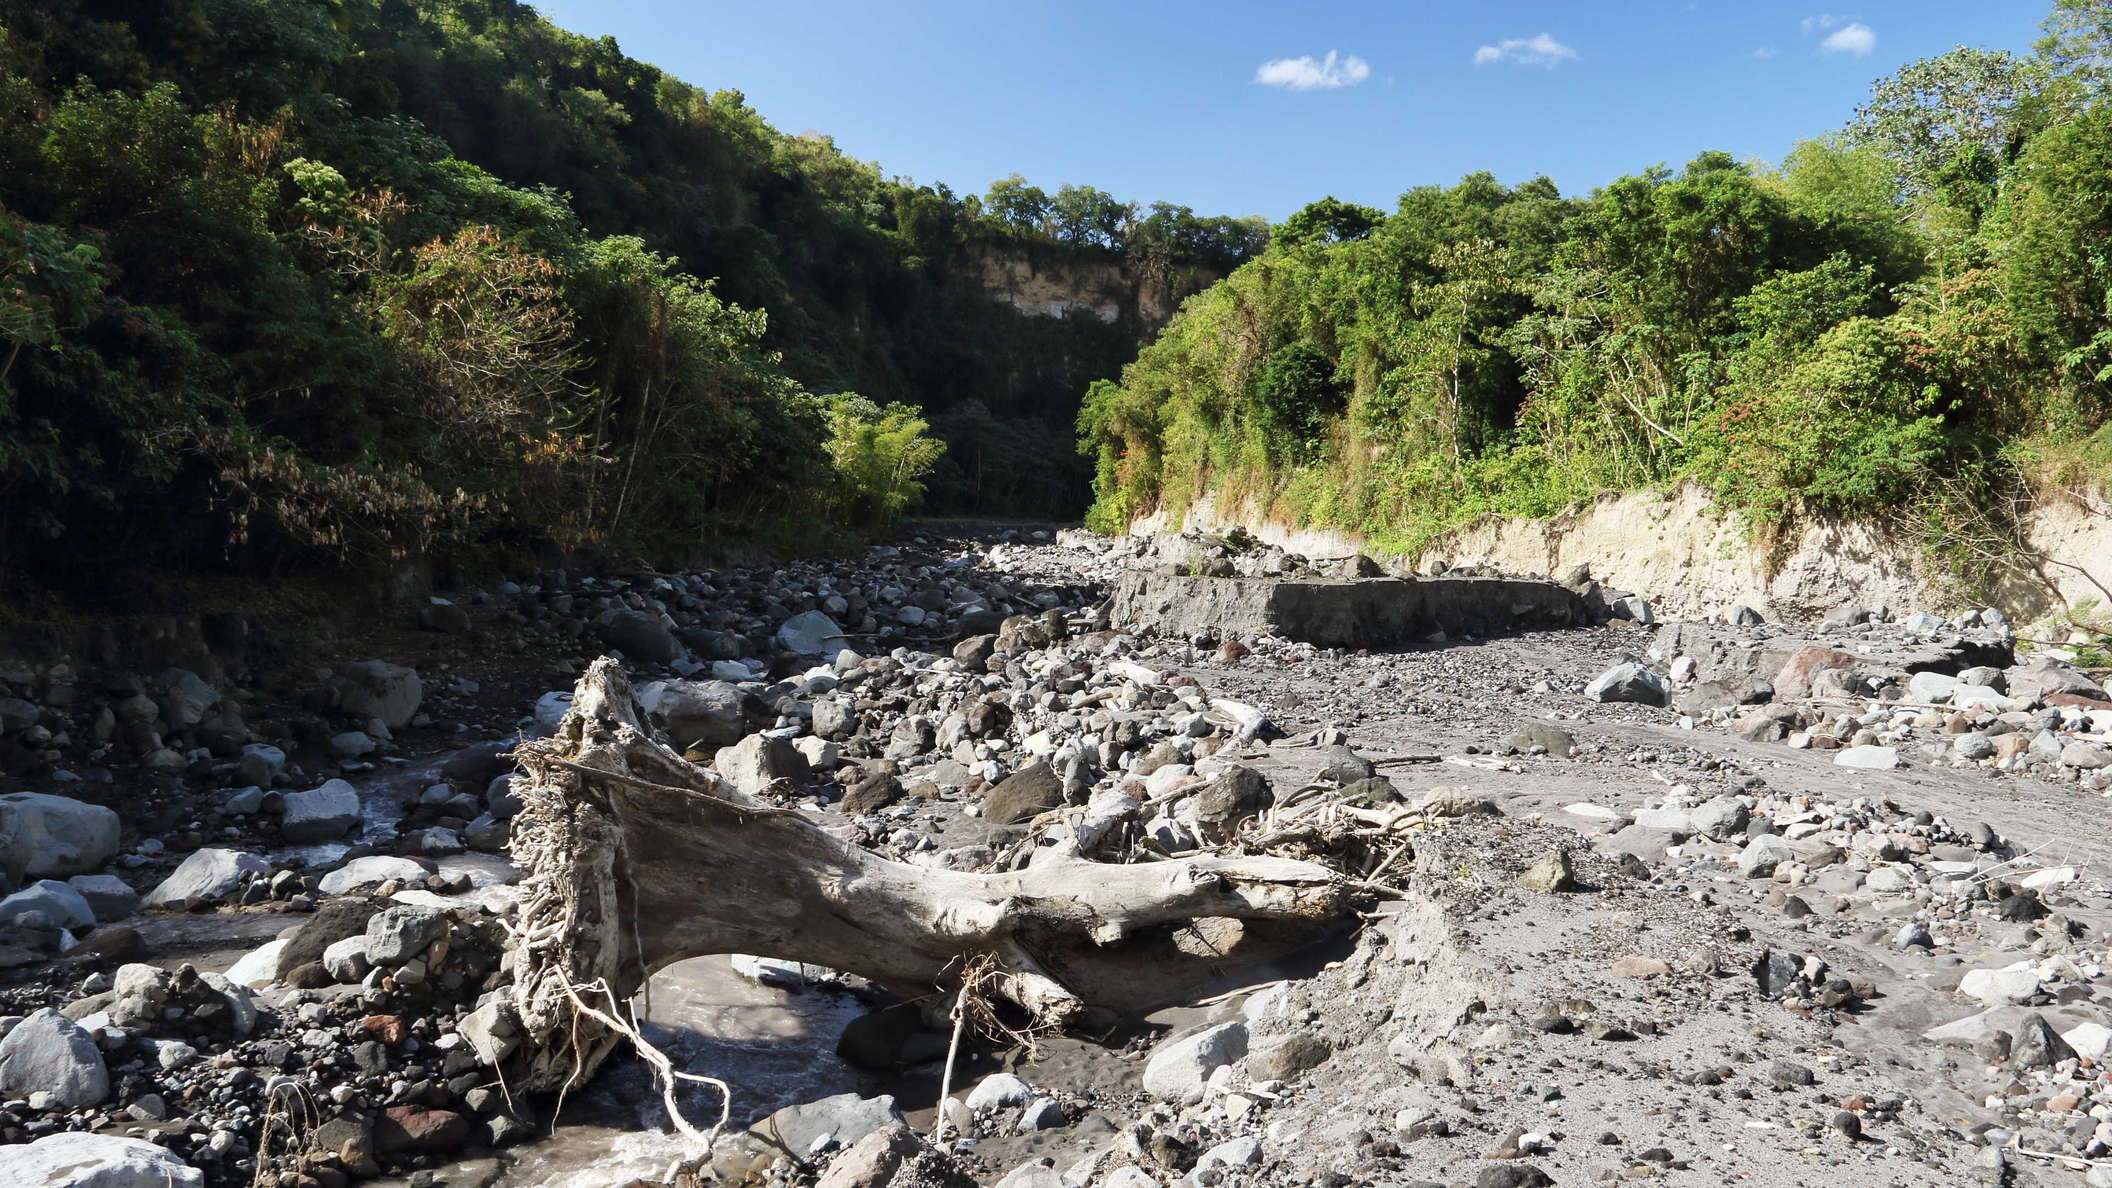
<point>774,1046</point>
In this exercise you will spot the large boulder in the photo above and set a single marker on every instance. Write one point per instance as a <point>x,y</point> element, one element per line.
<point>1803,668</point>
<point>640,637</point>
<point>1028,792</point>
<point>398,933</point>
<point>755,764</point>
<point>321,814</point>
<point>810,633</point>
<point>1239,793</point>
<point>78,1159</point>
<point>370,871</point>
<point>846,1118</point>
<point>51,1053</point>
<point>56,904</point>
<point>378,689</point>
<point>185,698</point>
<point>696,713</point>
<point>2044,678</point>
<point>109,897</point>
<point>206,876</point>
<point>1178,1071</point>
<point>42,835</point>
<point>1628,681</point>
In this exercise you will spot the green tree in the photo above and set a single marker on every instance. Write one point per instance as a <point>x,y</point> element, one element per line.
<point>1329,220</point>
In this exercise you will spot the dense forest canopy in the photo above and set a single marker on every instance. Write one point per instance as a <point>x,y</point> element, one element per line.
<point>316,282</point>
<point>1906,319</point>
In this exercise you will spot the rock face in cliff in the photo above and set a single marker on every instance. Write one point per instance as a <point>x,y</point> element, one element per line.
<point>1138,294</point>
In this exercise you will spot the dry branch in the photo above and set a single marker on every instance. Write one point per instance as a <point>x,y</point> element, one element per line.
<point>636,858</point>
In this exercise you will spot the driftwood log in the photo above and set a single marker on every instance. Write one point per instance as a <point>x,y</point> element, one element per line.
<point>636,858</point>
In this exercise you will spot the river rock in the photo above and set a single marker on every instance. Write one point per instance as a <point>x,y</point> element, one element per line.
<point>1868,758</point>
<point>642,638</point>
<point>185,698</point>
<point>57,904</point>
<point>418,1130</point>
<point>321,814</point>
<point>1628,681</point>
<point>1028,792</point>
<point>1762,855</point>
<point>756,764</point>
<point>876,1160</point>
<point>1280,1058</point>
<point>696,713</point>
<point>1995,987</point>
<point>371,871</point>
<point>842,1119</point>
<point>1178,1071</point>
<point>378,689</point>
<point>43,835</point>
<point>810,633</point>
<point>109,897</point>
<point>260,764</point>
<point>997,1091</point>
<point>205,876</point>
<point>1555,740</point>
<point>50,1053</point>
<point>78,1159</point>
<point>396,934</point>
<point>346,960</point>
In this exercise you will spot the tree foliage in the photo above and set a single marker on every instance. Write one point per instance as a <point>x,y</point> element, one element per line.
<point>1907,314</point>
<point>294,284</point>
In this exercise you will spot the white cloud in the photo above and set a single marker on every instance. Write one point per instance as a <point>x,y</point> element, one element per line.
<point>1852,38</point>
<point>1540,50</point>
<point>1314,74</point>
<point>1765,52</point>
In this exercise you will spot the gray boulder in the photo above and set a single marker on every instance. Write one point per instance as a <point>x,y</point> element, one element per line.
<point>696,713</point>
<point>756,763</point>
<point>397,934</point>
<point>1762,855</point>
<point>55,903</point>
<point>346,960</point>
<point>79,1159</point>
<point>109,897</point>
<point>835,718</point>
<point>843,1119</point>
<point>321,814</point>
<point>1178,1071</point>
<point>378,689</point>
<point>42,835</point>
<point>1628,681</point>
<point>371,871</point>
<point>261,764</point>
<point>185,698</point>
<point>49,1052</point>
<point>1721,817</point>
<point>810,633</point>
<point>1868,758</point>
<point>206,876</point>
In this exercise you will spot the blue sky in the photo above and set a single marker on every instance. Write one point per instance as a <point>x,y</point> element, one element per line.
<point>1236,108</point>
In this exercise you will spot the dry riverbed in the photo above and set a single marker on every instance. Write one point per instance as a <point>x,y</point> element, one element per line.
<point>1805,903</point>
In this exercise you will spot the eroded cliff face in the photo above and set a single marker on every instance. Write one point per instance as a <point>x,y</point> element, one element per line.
<point>1139,294</point>
<point>1690,558</point>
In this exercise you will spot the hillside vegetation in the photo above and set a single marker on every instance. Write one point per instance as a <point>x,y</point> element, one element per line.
<point>295,284</point>
<point>1907,319</point>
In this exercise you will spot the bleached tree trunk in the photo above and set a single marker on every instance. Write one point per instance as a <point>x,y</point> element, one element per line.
<point>636,858</point>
